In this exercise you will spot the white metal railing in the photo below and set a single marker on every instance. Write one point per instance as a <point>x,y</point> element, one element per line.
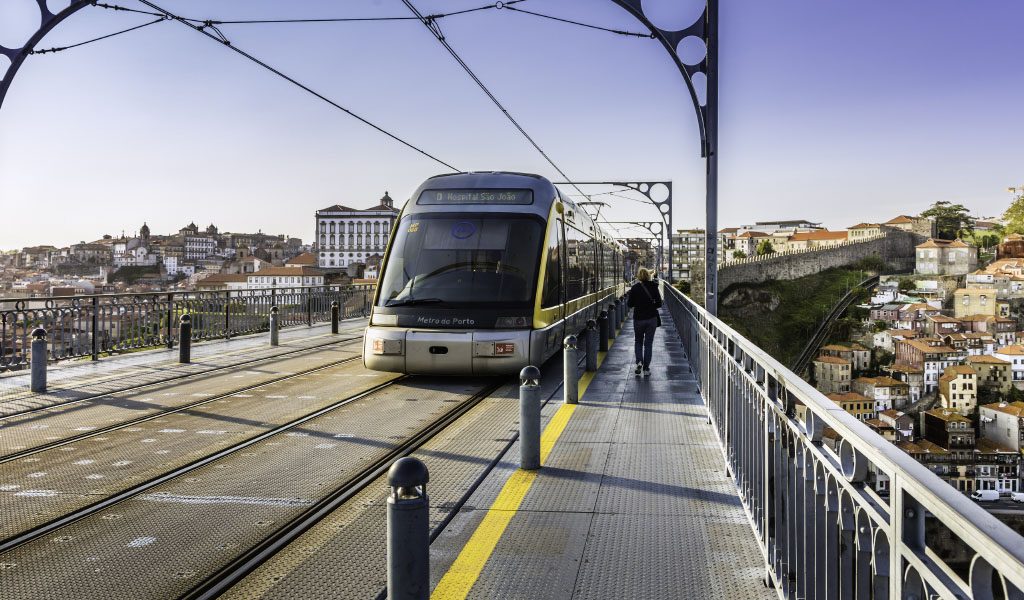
<point>838,511</point>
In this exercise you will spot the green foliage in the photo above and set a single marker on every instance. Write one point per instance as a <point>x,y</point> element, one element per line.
<point>765,247</point>
<point>881,326</point>
<point>130,275</point>
<point>907,285</point>
<point>739,254</point>
<point>683,286</point>
<point>951,220</point>
<point>875,264</point>
<point>783,332</point>
<point>1014,216</point>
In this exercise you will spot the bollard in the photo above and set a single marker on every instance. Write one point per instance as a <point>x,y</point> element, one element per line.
<point>591,345</point>
<point>529,418</point>
<point>38,383</point>
<point>185,339</point>
<point>622,311</point>
<point>273,326</point>
<point>335,310</point>
<point>571,377</point>
<point>602,331</point>
<point>613,321</point>
<point>408,530</point>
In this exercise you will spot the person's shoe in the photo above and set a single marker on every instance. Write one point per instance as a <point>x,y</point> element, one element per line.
<point>639,367</point>
<point>647,372</point>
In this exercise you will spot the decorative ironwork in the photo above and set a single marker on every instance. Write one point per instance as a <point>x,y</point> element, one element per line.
<point>88,326</point>
<point>839,512</point>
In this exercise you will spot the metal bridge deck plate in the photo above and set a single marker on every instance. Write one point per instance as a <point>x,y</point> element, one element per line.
<point>162,543</point>
<point>632,502</point>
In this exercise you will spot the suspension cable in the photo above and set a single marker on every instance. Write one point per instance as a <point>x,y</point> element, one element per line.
<point>227,43</point>
<point>435,29</point>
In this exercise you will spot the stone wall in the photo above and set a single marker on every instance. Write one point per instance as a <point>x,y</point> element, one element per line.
<point>896,248</point>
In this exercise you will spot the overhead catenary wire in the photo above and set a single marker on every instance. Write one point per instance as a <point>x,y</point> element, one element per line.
<point>580,24</point>
<point>434,28</point>
<point>225,42</point>
<point>96,39</point>
<point>208,22</point>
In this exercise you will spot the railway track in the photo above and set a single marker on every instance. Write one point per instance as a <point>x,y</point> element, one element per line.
<point>139,500</point>
<point>169,411</point>
<point>141,387</point>
<point>242,565</point>
<point>28,536</point>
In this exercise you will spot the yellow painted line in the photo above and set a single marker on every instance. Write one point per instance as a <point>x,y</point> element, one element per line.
<point>462,575</point>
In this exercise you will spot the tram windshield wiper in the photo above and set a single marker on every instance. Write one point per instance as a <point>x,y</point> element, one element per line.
<point>412,301</point>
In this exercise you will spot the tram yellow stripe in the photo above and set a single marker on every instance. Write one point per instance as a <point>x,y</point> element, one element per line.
<point>462,575</point>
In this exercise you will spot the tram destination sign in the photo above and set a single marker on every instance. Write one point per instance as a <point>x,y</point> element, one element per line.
<point>476,196</point>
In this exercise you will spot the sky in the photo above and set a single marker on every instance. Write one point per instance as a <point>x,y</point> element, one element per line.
<point>836,112</point>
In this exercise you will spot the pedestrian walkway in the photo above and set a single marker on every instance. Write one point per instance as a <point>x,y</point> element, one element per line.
<point>632,501</point>
<point>77,379</point>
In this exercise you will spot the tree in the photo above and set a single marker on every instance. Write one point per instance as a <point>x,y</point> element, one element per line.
<point>765,247</point>
<point>739,254</point>
<point>881,326</point>
<point>951,220</point>
<point>907,285</point>
<point>1014,216</point>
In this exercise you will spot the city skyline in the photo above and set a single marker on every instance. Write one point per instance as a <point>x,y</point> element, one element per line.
<point>177,128</point>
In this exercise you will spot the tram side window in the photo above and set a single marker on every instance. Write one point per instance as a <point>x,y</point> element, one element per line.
<point>590,252</point>
<point>576,268</point>
<point>552,275</point>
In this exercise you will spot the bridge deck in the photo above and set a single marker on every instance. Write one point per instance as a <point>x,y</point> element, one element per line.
<point>631,502</point>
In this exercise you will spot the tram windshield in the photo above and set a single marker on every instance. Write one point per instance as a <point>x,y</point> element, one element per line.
<point>439,259</point>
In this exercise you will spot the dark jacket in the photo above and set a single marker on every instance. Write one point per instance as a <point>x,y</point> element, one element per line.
<point>644,306</point>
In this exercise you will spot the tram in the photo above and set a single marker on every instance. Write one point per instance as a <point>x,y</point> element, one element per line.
<point>487,272</point>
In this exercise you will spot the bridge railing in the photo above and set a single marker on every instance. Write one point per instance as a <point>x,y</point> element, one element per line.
<point>89,326</point>
<point>838,511</point>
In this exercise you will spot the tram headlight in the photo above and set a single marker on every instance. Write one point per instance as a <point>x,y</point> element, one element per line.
<point>386,347</point>
<point>512,322</point>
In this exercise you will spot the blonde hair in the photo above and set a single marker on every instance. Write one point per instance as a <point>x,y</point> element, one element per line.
<point>643,274</point>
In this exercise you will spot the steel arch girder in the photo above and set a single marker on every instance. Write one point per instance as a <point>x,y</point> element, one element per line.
<point>47,21</point>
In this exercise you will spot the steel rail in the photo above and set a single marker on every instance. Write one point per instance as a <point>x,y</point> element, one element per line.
<point>103,430</point>
<point>141,386</point>
<point>36,532</point>
<point>216,584</point>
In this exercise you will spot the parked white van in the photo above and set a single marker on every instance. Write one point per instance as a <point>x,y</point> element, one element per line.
<point>985,496</point>
<point>1017,497</point>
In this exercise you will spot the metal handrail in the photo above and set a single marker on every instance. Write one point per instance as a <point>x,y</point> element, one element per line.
<point>96,324</point>
<point>838,511</point>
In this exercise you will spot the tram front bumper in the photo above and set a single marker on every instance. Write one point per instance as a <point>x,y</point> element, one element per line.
<point>446,352</point>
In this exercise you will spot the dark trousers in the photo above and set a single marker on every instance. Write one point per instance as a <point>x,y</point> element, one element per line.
<point>643,330</point>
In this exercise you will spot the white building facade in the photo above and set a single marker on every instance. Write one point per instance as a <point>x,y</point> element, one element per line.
<point>345,236</point>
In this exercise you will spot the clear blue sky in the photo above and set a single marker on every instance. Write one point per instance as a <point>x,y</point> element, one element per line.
<point>833,111</point>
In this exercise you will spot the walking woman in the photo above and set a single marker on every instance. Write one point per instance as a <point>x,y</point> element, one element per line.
<point>645,301</point>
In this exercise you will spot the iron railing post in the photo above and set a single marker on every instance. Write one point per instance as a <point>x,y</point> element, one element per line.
<point>95,327</point>
<point>227,315</point>
<point>170,321</point>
